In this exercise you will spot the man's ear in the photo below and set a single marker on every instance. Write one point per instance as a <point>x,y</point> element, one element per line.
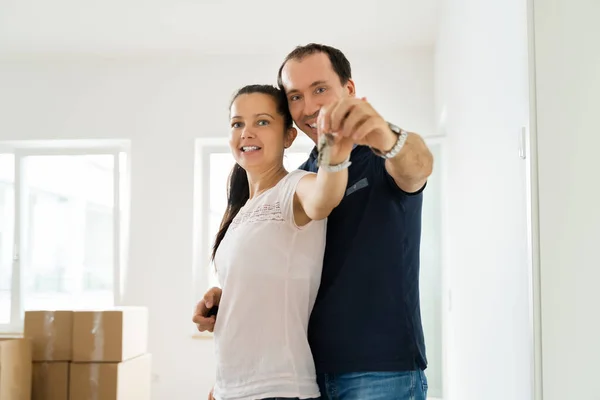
<point>290,136</point>
<point>351,87</point>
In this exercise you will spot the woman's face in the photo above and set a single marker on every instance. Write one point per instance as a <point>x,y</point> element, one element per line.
<point>258,137</point>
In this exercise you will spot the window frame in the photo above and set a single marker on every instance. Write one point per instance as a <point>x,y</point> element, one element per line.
<point>22,149</point>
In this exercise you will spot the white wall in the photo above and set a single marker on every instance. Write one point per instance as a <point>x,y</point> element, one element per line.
<point>162,105</point>
<point>482,103</point>
<point>567,51</point>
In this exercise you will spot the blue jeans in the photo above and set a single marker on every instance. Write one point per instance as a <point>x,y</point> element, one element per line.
<point>407,385</point>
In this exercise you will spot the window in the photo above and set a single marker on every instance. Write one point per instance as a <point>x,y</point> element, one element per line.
<point>60,231</point>
<point>7,174</point>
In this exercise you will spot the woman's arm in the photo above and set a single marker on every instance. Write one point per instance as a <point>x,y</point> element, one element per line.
<point>318,194</point>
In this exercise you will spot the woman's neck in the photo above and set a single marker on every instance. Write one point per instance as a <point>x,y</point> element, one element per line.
<point>265,180</point>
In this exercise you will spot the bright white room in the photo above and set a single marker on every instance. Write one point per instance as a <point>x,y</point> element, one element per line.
<point>114,160</point>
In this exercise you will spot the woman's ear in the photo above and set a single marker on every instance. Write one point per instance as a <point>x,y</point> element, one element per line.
<point>290,136</point>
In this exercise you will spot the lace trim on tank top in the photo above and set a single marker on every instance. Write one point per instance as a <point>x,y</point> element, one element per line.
<point>266,212</point>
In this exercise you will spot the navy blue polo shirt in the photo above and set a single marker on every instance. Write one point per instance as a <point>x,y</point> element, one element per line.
<point>367,312</point>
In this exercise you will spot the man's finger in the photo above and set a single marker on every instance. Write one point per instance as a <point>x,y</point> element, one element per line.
<point>339,114</point>
<point>358,115</point>
<point>342,111</point>
<point>212,297</point>
<point>200,319</point>
<point>201,308</point>
<point>369,126</point>
<point>323,121</point>
<point>207,328</point>
<point>205,324</point>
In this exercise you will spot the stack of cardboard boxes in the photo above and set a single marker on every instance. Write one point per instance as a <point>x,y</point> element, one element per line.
<point>80,355</point>
<point>51,334</point>
<point>15,369</point>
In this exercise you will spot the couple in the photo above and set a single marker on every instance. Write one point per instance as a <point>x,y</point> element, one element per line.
<point>319,267</point>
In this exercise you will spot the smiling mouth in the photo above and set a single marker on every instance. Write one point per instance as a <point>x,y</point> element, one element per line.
<point>313,125</point>
<point>246,149</point>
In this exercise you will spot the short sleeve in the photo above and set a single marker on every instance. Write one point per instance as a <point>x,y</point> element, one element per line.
<point>379,165</point>
<point>287,192</point>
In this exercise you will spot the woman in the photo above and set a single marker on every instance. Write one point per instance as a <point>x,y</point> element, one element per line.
<point>269,253</point>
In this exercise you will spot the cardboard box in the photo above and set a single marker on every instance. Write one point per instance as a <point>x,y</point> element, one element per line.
<point>15,369</point>
<point>127,380</point>
<point>111,335</point>
<point>50,381</point>
<point>51,334</point>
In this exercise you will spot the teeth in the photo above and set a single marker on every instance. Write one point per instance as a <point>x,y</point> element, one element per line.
<point>250,148</point>
<point>314,126</point>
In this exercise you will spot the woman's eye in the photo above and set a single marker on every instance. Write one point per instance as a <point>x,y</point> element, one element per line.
<point>263,122</point>
<point>236,125</point>
<point>294,98</point>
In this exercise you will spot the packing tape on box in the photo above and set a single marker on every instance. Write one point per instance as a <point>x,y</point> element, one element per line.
<point>97,354</point>
<point>94,381</point>
<point>98,332</point>
<point>50,335</point>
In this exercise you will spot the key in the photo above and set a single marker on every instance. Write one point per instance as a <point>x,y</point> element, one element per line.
<point>324,149</point>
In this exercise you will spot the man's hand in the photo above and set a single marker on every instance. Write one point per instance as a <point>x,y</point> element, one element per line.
<point>339,150</point>
<point>356,119</point>
<point>201,317</point>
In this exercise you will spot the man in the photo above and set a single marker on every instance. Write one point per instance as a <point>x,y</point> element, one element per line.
<point>365,329</point>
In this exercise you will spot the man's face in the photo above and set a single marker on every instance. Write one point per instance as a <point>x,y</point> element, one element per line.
<point>309,84</point>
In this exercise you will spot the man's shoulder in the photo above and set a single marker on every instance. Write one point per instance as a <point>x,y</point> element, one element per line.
<point>307,166</point>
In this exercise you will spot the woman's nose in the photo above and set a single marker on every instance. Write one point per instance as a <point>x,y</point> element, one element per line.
<point>247,133</point>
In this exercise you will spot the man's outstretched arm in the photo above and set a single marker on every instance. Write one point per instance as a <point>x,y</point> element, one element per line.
<point>413,164</point>
<point>409,161</point>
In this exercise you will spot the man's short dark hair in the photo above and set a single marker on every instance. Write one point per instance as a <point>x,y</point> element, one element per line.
<point>339,62</point>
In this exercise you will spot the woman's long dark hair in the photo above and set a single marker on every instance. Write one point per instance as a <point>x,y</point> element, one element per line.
<point>238,191</point>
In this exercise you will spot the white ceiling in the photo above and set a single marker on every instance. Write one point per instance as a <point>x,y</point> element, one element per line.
<point>212,26</point>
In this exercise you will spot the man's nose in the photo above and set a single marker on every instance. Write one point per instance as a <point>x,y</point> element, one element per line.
<point>311,107</point>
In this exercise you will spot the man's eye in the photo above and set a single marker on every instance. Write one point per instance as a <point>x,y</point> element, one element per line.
<point>320,90</point>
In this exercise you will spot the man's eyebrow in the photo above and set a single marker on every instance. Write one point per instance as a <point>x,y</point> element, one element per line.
<point>315,83</point>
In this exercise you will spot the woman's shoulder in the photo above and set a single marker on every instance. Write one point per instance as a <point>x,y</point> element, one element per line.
<point>290,181</point>
<point>298,174</point>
